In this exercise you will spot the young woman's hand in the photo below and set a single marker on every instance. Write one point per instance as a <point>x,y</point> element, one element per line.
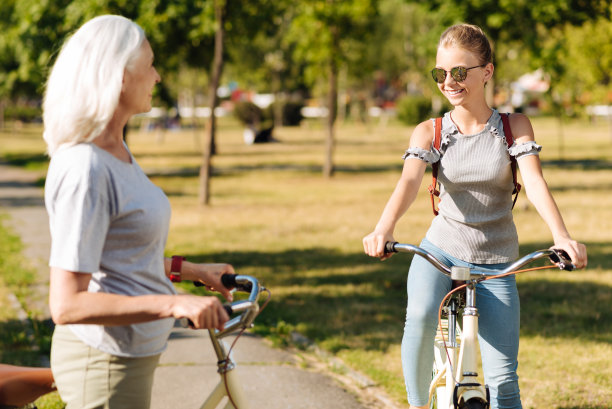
<point>576,251</point>
<point>374,244</point>
<point>203,312</point>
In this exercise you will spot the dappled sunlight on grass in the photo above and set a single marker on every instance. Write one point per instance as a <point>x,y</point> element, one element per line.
<point>273,215</point>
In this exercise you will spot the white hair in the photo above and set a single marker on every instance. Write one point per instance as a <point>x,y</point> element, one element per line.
<point>84,86</point>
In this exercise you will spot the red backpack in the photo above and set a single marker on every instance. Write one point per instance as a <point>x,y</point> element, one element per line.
<point>433,191</point>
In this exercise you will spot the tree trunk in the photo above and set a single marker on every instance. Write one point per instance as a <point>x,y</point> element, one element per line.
<point>209,135</point>
<point>332,104</point>
<point>1,114</point>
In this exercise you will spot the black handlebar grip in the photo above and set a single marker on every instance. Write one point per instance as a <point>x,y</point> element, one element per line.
<point>229,280</point>
<point>562,259</point>
<point>390,247</point>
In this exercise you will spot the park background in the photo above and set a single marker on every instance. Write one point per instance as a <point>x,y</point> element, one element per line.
<point>339,86</point>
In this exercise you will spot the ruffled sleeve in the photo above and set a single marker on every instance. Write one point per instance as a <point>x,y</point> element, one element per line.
<point>524,149</point>
<point>431,156</point>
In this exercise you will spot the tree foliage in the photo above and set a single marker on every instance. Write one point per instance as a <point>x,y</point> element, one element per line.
<point>327,35</point>
<point>544,34</point>
<point>30,33</point>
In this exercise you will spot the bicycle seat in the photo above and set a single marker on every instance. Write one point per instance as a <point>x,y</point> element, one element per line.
<point>20,385</point>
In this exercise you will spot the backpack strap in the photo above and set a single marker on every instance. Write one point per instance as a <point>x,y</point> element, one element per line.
<point>433,191</point>
<point>510,142</point>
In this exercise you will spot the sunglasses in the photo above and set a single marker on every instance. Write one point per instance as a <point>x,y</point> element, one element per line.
<point>459,74</point>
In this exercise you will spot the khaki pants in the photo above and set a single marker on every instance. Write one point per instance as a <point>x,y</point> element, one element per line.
<point>87,378</point>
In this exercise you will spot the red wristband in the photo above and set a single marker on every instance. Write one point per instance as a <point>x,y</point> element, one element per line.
<point>175,269</point>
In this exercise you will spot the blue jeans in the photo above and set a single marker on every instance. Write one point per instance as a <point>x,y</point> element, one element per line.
<point>498,306</point>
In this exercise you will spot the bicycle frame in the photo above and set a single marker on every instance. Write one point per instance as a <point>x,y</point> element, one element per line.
<point>229,385</point>
<point>456,366</point>
<point>461,357</point>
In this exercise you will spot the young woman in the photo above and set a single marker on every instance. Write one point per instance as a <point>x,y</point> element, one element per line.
<point>474,226</point>
<point>110,290</point>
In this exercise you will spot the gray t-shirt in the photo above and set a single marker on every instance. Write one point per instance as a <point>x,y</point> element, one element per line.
<point>475,221</point>
<point>109,220</point>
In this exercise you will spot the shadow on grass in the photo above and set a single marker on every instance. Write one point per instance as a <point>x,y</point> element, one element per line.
<point>25,343</point>
<point>219,171</point>
<point>579,164</point>
<point>334,295</point>
<point>35,160</point>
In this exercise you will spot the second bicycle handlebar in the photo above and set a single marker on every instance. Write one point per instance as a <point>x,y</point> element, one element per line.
<point>556,256</point>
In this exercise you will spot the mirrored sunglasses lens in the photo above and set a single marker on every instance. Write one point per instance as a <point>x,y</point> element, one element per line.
<point>459,73</point>
<point>438,74</point>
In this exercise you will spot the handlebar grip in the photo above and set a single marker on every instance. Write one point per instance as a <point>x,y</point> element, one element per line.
<point>229,282</point>
<point>562,259</point>
<point>390,247</point>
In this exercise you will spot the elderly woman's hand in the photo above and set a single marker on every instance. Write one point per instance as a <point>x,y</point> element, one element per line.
<point>210,274</point>
<point>202,312</point>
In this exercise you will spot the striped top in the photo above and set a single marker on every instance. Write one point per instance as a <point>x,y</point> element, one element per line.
<point>475,221</point>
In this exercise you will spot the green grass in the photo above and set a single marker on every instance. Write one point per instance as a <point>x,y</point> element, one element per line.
<point>273,215</point>
<point>22,342</point>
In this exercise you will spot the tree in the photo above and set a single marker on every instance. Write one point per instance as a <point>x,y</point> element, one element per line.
<point>325,32</point>
<point>263,59</point>
<point>536,26</point>
<point>523,23</point>
<point>216,70</point>
<point>30,31</point>
<point>588,73</point>
<point>192,33</point>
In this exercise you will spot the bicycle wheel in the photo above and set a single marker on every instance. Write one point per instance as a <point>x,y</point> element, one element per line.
<point>473,404</point>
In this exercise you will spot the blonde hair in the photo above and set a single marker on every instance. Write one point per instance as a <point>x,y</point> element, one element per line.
<point>83,89</point>
<point>470,38</point>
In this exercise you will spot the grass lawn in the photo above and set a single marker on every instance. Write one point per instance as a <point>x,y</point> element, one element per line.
<point>273,215</point>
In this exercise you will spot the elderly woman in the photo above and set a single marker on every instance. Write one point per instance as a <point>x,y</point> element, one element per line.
<point>111,294</point>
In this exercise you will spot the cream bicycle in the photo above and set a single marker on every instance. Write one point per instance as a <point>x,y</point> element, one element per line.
<point>228,393</point>
<point>455,383</point>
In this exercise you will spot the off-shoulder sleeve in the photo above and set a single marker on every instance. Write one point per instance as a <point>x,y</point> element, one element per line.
<point>426,156</point>
<point>524,149</point>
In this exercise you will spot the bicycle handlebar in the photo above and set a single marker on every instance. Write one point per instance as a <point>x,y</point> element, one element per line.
<point>556,256</point>
<point>248,308</point>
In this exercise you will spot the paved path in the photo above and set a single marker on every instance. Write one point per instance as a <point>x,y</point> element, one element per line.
<point>273,378</point>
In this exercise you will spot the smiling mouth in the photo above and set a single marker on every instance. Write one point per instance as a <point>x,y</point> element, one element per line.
<point>454,92</point>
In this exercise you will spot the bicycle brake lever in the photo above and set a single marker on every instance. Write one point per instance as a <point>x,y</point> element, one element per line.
<point>562,259</point>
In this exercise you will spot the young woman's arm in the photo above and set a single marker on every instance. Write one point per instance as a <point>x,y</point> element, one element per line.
<point>402,197</point>
<point>71,303</point>
<point>539,194</point>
